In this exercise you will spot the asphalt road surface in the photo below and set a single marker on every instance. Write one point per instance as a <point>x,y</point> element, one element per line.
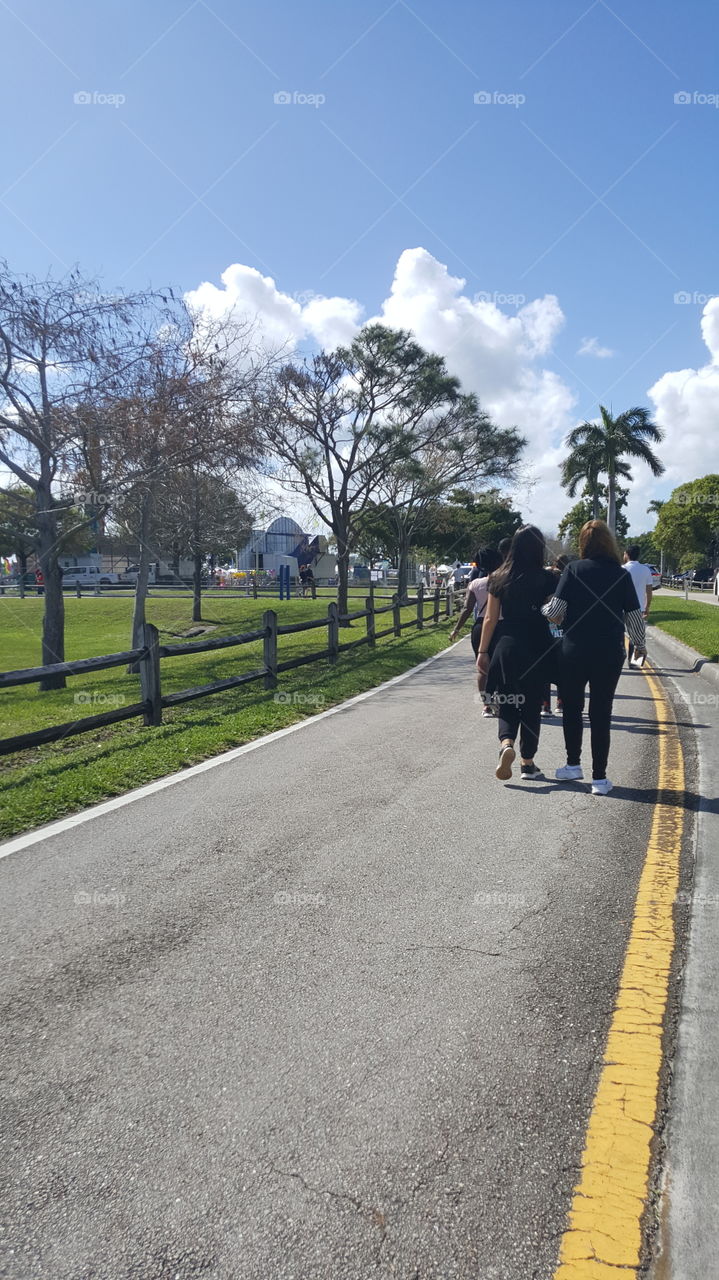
<point>332,1009</point>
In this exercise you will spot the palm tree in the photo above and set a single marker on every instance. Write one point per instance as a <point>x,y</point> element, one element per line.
<point>612,440</point>
<point>583,466</point>
<point>655,507</point>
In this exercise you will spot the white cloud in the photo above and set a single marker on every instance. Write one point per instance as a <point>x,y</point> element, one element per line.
<point>686,406</point>
<point>493,353</point>
<point>593,347</point>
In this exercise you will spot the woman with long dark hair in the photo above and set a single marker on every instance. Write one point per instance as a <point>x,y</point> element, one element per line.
<point>476,602</point>
<point>521,658</point>
<point>594,602</point>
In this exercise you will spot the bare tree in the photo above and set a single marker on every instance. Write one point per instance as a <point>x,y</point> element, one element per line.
<point>202,514</point>
<point>62,343</point>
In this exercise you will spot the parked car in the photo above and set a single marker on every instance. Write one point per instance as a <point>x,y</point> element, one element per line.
<point>85,575</point>
<point>656,576</point>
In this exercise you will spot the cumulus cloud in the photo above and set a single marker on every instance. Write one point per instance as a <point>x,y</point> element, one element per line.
<point>593,347</point>
<point>686,404</point>
<point>493,353</point>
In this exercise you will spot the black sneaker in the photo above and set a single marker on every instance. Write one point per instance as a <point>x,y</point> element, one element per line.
<point>530,773</point>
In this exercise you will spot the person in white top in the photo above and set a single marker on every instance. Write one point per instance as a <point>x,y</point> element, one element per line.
<point>641,576</point>
<point>475,602</point>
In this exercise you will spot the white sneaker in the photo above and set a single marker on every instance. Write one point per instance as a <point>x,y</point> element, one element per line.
<point>569,773</point>
<point>601,787</point>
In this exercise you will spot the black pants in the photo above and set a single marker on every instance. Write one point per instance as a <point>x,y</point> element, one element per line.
<point>601,672</point>
<point>476,635</point>
<point>520,713</point>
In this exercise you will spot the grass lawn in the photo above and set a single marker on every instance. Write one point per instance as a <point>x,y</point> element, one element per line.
<point>43,783</point>
<point>688,620</point>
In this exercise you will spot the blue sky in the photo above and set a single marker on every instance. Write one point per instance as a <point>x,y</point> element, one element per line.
<point>199,168</point>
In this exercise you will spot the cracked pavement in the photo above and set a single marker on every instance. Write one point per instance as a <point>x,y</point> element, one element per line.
<point>337,1011</point>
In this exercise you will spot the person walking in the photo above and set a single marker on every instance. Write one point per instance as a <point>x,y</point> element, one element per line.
<point>558,567</point>
<point>594,601</point>
<point>475,602</point>
<point>522,653</point>
<point>641,576</point>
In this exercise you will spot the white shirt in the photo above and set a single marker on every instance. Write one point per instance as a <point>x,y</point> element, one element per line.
<point>641,576</point>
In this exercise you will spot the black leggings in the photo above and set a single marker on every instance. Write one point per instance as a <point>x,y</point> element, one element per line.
<point>521,712</point>
<point>601,672</point>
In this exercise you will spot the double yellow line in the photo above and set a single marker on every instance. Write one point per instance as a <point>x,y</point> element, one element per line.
<point>603,1237</point>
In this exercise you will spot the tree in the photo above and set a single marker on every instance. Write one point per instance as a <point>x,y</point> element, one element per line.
<point>688,524</point>
<point>19,533</point>
<point>202,514</point>
<point>339,424</point>
<point>471,448</point>
<point>456,528</point>
<point>571,524</point>
<point>18,529</point>
<point>61,343</point>
<point>184,409</point>
<point>601,448</point>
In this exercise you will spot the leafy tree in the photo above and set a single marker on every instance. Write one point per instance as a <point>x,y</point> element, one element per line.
<point>454,530</point>
<point>338,425</point>
<point>688,524</point>
<point>202,514</point>
<point>19,533</point>
<point>571,524</point>
<point>601,448</point>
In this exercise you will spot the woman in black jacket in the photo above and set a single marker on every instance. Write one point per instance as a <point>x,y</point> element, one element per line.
<point>594,601</point>
<point>521,648</point>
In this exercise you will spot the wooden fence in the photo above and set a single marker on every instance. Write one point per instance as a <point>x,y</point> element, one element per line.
<point>439,604</point>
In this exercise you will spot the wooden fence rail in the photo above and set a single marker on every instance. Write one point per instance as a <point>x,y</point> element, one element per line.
<point>148,659</point>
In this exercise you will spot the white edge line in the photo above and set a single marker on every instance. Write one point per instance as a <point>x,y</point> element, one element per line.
<point>108,806</point>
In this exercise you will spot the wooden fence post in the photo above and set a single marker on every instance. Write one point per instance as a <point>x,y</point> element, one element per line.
<point>78,592</point>
<point>420,606</point>
<point>396,617</point>
<point>333,630</point>
<point>269,622</point>
<point>254,586</point>
<point>446,602</point>
<point>436,604</point>
<point>150,675</point>
<point>450,601</point>
<point>314,588</point>
<point>369,606</point>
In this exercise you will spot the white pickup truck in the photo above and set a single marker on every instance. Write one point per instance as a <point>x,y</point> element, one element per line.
<point>83,575</point>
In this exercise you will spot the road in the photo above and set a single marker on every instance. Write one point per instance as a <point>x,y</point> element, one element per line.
<point>334,1008</point>
<point>704,597</point>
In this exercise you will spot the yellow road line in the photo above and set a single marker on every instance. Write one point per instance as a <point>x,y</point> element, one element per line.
<point>603,1237</point>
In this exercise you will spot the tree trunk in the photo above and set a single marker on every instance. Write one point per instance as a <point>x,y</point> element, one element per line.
<point>612,501</point>
<point>197,588</point>
<point>53,621</point>
<point>402,566</point>
<point>595,504</point>
<point>143,572</point>
<point>22,561</point>
<point>343,572</point>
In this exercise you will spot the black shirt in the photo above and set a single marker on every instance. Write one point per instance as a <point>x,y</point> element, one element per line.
<point>598,594</point>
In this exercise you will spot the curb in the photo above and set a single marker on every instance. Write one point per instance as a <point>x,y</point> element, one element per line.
<point>696,663</point>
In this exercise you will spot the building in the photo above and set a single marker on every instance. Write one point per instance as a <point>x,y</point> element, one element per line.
<point>285,543</point>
